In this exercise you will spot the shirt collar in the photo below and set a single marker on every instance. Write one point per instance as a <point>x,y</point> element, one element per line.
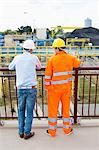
<point>26,53</point>
<point>62,52</point>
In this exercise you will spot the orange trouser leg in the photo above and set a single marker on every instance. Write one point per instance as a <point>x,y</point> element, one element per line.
<point>66,111</point>
<point>53,103</point>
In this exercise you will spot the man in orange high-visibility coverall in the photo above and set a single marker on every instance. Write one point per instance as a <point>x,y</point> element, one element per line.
<point>58,82</point>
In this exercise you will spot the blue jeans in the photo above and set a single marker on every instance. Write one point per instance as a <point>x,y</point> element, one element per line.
<point>26,102</point>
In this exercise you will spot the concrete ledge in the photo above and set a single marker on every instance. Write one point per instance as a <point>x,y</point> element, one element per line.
<point>44,123</point>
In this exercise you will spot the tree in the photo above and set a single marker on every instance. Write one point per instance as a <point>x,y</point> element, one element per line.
<point>9,31</point>
<point>57,32</point>
<point>48,32</point>
<point>24,29</point>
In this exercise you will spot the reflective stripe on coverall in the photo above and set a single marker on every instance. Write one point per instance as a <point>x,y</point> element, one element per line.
<point>58,81</point>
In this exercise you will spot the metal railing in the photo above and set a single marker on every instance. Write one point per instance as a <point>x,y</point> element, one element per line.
<point>85,94</point>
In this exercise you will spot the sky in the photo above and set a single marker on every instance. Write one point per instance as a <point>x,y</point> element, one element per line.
<point>47,13</point>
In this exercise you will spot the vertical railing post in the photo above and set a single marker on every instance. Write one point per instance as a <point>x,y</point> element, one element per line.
<point>75,95</point>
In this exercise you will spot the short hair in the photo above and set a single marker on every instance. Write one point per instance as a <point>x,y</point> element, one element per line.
<point>28,50</point>
<point>61,48</point>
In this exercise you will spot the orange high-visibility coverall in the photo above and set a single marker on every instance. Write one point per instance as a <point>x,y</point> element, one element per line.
<point>58,81</point>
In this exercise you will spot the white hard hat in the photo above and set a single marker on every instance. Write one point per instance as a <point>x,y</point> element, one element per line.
<point>28,44</point>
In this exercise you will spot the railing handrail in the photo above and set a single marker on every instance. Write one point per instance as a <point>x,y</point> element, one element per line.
<point>88,68</point>
<point>76,75</point>
<point>7,69</point>
<point>43,68</point>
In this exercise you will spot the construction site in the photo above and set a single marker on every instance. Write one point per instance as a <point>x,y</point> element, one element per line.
<point>49,74</point>
<point>83,48</point>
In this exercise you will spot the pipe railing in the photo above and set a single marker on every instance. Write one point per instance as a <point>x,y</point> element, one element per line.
<point>85,97</point>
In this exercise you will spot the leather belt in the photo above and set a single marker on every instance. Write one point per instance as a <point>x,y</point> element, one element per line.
<point>27,87</point>
<point>33,87</point>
